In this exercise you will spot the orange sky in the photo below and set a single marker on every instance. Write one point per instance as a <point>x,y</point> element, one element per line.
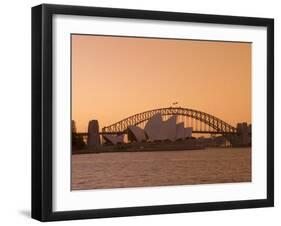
<point>116,77</point>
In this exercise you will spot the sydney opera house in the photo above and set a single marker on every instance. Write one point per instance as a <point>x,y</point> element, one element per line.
<point>155,130</point>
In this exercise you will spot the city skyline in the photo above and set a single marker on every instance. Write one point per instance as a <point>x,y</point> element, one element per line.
<point>116,77</point>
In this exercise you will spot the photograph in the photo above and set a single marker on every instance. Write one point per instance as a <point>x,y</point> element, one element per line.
<point>150,111</point>
<point>145,112</point>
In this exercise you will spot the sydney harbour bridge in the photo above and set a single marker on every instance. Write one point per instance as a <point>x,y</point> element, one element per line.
<point>201,122</point>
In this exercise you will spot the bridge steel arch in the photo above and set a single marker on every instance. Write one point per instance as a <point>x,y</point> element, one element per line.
<point>218,125</point>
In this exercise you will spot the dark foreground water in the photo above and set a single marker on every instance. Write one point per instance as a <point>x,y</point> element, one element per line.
<point>143,169</point>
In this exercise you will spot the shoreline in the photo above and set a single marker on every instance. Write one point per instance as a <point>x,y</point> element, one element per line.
<point>158,149</point>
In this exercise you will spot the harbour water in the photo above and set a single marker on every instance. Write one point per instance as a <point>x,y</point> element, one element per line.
<point>161,168</point>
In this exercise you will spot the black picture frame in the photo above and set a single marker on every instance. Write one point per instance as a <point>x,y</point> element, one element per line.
<point>42,111</point>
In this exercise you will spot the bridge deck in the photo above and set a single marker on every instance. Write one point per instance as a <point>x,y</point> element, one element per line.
<point>195,131</point>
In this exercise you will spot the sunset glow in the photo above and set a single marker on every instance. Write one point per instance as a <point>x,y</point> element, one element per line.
<point>116,77</point>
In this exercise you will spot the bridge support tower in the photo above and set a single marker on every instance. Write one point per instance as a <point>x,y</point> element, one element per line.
<point>243,137</point>
<point>93,140</point>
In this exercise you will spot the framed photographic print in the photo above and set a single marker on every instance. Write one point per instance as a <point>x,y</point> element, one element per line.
<point>145,112</point>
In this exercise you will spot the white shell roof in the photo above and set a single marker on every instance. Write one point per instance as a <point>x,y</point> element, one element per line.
<point>114,139</point>
<point>138,133</point>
